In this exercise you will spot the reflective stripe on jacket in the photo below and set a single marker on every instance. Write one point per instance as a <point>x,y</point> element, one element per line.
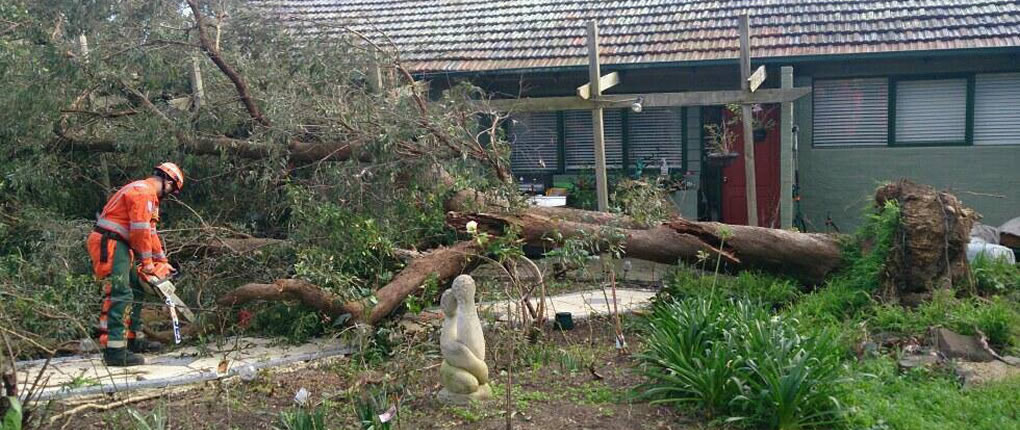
<point>132,213</point>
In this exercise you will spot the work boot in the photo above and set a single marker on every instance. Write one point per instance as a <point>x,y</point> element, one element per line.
<point>121,357</point>
<point>142,346</point>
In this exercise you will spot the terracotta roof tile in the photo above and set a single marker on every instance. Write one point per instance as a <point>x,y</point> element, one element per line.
<point>474,35</point>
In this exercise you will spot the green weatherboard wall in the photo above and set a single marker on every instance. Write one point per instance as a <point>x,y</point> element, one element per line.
<point>841,181</point>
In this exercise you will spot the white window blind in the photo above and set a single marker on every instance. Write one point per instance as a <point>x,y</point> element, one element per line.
<point>579,143</point>
<point>654,134</point>
<point>997,109</point>
<point>931,111</point>
<point>533,142</point>
<point>851,112</point>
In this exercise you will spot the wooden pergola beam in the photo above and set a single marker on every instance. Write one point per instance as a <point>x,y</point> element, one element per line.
<point>689,98</point>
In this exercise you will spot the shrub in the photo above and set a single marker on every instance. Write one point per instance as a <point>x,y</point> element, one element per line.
<point>735,361</point>
<point>995,275</point>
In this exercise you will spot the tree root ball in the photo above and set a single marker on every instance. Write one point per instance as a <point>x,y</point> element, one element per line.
<point>930,248</point>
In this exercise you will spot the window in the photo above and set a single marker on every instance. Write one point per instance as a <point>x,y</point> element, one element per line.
<point>851,112</point>
<point>654,134</point>
<point>533,142</point>
<point>932,111</point>
<point>997,109</point>
<point>579,143</point>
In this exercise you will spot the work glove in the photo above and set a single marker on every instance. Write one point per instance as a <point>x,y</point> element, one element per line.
<point>159,270</point>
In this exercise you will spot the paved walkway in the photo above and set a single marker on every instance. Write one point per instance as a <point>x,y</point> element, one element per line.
<point>581,305</point>
<point>86,375</point>
<point>79,376</point>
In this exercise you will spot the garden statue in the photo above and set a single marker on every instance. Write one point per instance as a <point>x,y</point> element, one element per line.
<point>464,374</point>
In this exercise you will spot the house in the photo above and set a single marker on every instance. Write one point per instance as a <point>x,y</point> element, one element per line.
<point>922,89</point>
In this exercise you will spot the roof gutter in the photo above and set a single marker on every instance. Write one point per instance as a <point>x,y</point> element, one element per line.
<point>726,61</point>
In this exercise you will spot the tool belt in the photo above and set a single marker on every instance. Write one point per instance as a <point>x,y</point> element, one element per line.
<point>104,253</point>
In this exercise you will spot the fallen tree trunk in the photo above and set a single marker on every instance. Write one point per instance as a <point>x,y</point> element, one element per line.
<point>807,257</point>
<point>445,263</point>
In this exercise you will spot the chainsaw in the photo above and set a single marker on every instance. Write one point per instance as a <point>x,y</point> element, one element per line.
<point>165,288</point>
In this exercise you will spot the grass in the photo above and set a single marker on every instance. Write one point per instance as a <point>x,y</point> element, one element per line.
<point>882,398</point>
<point>593,393</point>
<point>298,418</point>
<point>995,276</point>
<point>997,318</point>
<point>771,291</point>
<point>757,351</point>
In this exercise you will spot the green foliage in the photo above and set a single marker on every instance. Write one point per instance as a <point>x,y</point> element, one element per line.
<point>769,290</point>
<point>296,323</point>
<point>882,398</point>
<point>428,296</point>
<point>643,201</point>
<point>733,360</point>
<point>299,418</point>
<point>995,276</point>
<point>341,220</point>
<point>13,415</point>
<point>999,319</point>
<point>155,420</point>
<point>368,407</point>
<point>870,248</point>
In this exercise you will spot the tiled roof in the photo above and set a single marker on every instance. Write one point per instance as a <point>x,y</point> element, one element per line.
<point>474,35</point>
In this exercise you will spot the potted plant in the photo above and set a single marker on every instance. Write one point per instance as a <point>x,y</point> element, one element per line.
<point>719,144</point>
<point>761,122</point>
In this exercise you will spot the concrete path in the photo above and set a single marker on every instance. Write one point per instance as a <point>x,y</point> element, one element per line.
<point>581,305</point>
<point>82,376</point>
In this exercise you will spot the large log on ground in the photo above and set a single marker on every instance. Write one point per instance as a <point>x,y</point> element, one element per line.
<point>807,257</point>
<point>445,263</point>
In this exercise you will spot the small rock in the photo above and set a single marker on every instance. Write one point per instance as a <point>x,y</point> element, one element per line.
<point>1011,360</point>
<point>248,373</point>
<point>954,345</point>
<point>974,374</point>
<point>915,361</point>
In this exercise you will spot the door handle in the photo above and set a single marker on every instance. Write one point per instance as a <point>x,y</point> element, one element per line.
<point>725,179</point>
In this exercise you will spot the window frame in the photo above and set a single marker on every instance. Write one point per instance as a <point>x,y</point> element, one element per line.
<point>894,79</point>
<point>814,106</point>
<point>968,131</point>
<point>627,162</point>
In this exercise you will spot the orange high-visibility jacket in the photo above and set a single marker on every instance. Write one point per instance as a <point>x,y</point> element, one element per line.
<point>132,214</point>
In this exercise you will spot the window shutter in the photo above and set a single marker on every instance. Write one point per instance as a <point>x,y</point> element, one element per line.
<point>533,142</point>
<point>656,133</point>
<point>580,145</point>
<point>851,112</point>
<point>997,109</point>
<point>931,111</point>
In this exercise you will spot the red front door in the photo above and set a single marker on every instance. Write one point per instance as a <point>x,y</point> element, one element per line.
<point>766,163</point>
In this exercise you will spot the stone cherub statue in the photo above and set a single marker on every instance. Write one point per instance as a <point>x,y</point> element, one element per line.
<point>464,374</point>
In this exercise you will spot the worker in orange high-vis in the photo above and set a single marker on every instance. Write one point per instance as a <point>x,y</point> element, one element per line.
<point>124,245</point>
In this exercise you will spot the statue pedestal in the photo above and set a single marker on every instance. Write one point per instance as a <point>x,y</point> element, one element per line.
<point>482,394</point>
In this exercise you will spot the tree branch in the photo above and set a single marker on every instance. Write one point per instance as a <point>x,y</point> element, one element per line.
<point>214,54</point>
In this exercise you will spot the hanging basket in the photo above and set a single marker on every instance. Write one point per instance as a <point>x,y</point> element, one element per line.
<point>760,134</point>
<point>721,159</point>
